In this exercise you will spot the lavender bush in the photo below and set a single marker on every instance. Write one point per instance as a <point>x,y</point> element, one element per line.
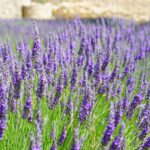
<point>78,85</point>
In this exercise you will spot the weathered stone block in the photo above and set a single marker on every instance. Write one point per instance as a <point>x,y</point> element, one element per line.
<point>38,11</point>
<point>12,8</point>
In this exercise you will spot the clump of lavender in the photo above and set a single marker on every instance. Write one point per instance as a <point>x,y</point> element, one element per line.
<point>125,71</point>
<point>59,88</point>
<point>62,136</point>
<point>23,71</point>
<point>73,76</point>
<point>104,88</point>
<point>113,74</point>
<point>118,142</point>
<point>97,70</point>
<point>135,102</point>
<point>105,62</point>
<point>144,132</point>
<point>27,110</point>
<point>83,80</point>
<point>53,147</point>
<point>36,50</point>
<point>17,84</point>
<point>109,128</point>
<point>143,121</point>
<point>28,62</point>
<point>146,144</point>
<point>130,84</point>
<point>86,105</point>
<point>148,93</point>
<point>68,105</point>
<point>42,83</point>
<point>124,102</point>
<point>3,109</point>
<point>145,111</point>
<point>118,114</point>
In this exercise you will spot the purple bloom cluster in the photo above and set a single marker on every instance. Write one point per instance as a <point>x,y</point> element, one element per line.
<point>76,141</point>
<point>146,144</point>
<point>109,128</point>
<point>70,78</point>
<point>62,136</point>
<point>135,102</point>
<point>41,88</point>
<point>118,142</point>
<point>3,108</point>
<point>86,106</point>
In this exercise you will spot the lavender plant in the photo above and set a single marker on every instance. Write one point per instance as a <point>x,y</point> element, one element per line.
<point>85,82</point>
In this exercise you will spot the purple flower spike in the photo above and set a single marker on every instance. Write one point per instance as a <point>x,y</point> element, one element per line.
<point>146,144</point>
<point>144,132</point>
<point>97,71</point>
<point>41,86</point>
<point>85,107</point>
<point>148,93</point>
<point>105,62</point>
<point>118,143</point>
<point>36,50</point>
<point>3,108</point>
<point>118,114</point>
<point>27,110</point>
<point>76,142</point>
<point>113,74</point>
<point>109,128</point>
<point>74,76</point>
<point>62,136</point>
<point>135,102</point>
<point>124,103</point>
<point>17,83</point>
<point>53,147</point>
<point>125,71</point>
<point>28,61</point>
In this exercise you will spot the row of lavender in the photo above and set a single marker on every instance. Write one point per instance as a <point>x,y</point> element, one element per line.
<point>82,86</point>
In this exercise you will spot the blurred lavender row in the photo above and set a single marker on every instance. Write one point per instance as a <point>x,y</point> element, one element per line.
<point>41,60</point>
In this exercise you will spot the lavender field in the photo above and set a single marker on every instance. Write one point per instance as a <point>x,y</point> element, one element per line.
<point>74,85</point>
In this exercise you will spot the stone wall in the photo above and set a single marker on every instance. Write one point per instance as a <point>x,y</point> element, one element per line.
<point>136,9</point>
<point>12,8</point>
<point>127,9</point>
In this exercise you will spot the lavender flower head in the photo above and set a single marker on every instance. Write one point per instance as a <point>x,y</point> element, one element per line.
<point>135,102</point>
<point>113,74</point>
<point>146,144</point>
<point>118,114</point>
<point>16,82</point>
<point>86,106</point>
<point>74,76</point>
<point>3,108</point>
<point>76,142</point>
<point>105,62</point>
<point>33,145</point>
<point>53,147</point>
<point>36,50</point>
<point>41,86</point>
<point>109,128</point>
<point>62,136</point>
<point>27,110</point>
<point>118,143</point>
